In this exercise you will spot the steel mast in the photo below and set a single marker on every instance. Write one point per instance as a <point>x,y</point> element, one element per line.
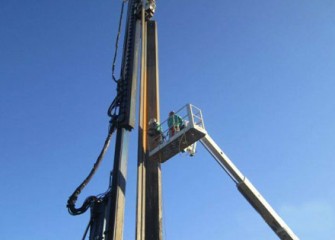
<point>149,213</point>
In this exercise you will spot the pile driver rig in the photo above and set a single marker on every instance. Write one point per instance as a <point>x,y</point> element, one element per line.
<point>107,210</point>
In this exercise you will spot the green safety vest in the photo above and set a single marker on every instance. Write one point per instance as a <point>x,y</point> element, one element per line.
<point>175,121</point>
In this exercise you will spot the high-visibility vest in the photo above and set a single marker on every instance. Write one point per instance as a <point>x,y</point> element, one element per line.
<point>175,121</point>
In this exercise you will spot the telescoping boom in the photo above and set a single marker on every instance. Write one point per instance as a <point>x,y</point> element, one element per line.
<point>192,131</point>
<point>249,191</point>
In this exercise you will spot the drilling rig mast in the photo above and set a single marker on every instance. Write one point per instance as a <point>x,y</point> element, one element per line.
<point>140,48</point>
<point>107,211</point>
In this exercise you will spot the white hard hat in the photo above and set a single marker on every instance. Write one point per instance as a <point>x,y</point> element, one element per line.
<point>152,120</point>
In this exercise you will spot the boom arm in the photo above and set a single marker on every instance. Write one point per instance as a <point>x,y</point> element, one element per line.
<point>249,191</point>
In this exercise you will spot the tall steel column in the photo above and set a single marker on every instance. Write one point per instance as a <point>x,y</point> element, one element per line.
<point>127,88</point>
<point>149,191</point>
<point>116,204</point>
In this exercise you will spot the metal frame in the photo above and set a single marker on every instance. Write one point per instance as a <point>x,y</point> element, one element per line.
<point>193,131</point>
<point>248,190</point>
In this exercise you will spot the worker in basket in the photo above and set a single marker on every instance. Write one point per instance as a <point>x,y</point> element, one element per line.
<point>155,130</point>
<point>150,8</point>
<point>175,123</point>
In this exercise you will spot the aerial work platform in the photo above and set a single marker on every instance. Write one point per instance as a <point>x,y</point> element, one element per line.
<point>170,142</point>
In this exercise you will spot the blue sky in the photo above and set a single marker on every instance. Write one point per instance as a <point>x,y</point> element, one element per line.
<point>261,71</point>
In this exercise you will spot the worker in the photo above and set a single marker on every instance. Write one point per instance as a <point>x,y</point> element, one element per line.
<point>155,130</point>
<point>175,123</point>
<point>150,8</point>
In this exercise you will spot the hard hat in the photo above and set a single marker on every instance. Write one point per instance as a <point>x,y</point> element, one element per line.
<point>152,120</point>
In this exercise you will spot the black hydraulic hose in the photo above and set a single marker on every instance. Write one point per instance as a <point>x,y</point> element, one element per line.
<point>113,107</point>
<point>88,201</point>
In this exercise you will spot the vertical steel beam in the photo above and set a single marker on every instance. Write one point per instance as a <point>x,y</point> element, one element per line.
<point>149,193</point>
<point>114,221</point>
<point>140,210</point>
<point>153,216</point>
<point>116,199</point>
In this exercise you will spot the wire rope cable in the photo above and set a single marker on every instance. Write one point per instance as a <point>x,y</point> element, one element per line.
<point>117,40</point>
<point>87,228</point>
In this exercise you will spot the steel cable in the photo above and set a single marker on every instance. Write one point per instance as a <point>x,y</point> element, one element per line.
<point>117,40</point>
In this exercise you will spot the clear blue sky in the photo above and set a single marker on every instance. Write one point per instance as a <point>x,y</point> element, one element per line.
<point>261,71</point>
